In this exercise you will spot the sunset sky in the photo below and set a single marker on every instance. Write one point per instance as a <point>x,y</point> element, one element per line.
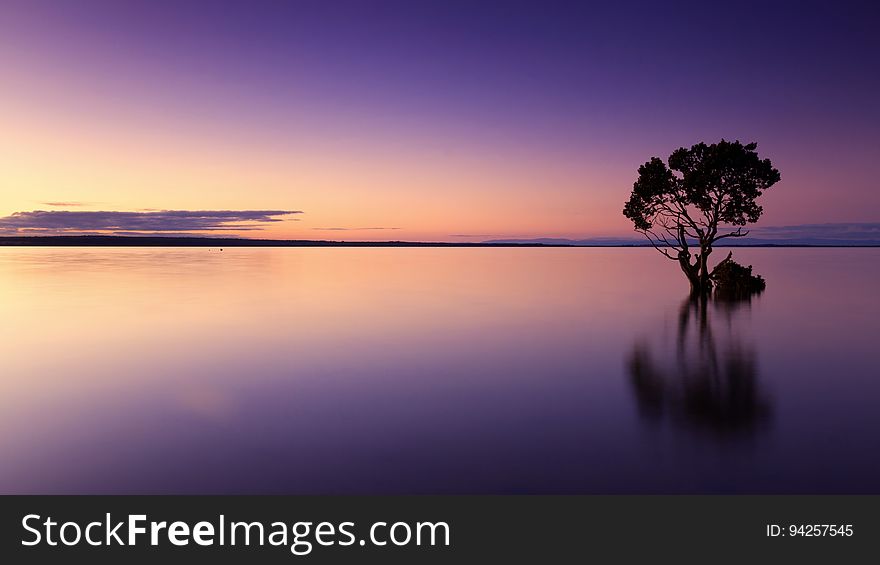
<point>446,121</point>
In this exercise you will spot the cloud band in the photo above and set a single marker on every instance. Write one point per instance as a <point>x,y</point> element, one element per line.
<point>66,221</point>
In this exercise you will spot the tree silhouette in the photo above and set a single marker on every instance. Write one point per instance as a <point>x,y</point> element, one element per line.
<point>682,206</point>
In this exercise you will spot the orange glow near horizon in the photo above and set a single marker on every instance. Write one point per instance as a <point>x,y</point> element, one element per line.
<point>68,148</point>
<point>115,146</point>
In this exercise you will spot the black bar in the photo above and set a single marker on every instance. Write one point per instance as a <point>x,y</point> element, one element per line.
<point>482,529</point>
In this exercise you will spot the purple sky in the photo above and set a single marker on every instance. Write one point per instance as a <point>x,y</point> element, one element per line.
<point>434,118</point>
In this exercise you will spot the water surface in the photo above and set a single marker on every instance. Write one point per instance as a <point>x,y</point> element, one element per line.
<point>433,370</point>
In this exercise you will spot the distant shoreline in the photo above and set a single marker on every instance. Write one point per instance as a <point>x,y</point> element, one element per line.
<point>150,241</point>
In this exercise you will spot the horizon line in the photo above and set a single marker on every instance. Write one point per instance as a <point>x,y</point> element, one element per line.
<point>87,240</point>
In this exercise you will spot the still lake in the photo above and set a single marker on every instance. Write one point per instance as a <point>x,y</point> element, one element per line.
<point>434,370</point>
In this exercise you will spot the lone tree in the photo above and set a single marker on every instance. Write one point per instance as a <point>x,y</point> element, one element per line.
<point>681,207</point>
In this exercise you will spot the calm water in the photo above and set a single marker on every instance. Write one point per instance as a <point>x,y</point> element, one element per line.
<point>434,371</point>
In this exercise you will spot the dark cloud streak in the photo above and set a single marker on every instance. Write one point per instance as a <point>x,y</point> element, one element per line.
<point>352,229</point>
<point>70,204</point>
<point>844,231</point>
<point>66,221</point>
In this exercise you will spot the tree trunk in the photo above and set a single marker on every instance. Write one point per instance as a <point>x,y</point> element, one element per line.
<point>700,287</point>
<point>705,279</point>
<point>692,272</point>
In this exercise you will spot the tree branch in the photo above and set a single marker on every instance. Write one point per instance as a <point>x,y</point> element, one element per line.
<point>738,233</point>
<point>657,247</point>
<point>723,261</point>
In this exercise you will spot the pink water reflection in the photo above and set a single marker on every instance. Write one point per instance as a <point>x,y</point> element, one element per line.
<point>414,370</point>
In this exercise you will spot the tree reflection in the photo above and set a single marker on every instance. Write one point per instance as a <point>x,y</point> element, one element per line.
<point>704,378</point>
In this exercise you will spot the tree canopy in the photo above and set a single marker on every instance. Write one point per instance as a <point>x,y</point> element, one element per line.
<point>682,205</point>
